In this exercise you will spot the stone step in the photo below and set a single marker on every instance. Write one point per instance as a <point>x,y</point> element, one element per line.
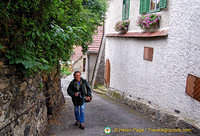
<point>102,88</point>
<point>99,91</point>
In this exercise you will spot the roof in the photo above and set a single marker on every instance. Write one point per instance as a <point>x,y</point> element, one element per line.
<point>77,53</point>
<point>94,47</point>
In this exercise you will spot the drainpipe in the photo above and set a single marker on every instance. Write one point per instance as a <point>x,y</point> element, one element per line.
<point>88,67</point>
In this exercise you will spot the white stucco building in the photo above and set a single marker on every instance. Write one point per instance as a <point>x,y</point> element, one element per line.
<point>175,48</point>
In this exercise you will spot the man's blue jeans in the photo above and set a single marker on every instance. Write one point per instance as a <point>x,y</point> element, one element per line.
<point>80,113</point>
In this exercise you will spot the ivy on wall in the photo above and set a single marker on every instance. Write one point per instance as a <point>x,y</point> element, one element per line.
<point>41,33</point>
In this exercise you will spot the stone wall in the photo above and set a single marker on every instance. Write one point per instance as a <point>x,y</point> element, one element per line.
<point>52,90</point>
<point>25,103</point>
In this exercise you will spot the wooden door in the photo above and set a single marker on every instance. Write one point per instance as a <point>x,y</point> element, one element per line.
<point>107,73</point>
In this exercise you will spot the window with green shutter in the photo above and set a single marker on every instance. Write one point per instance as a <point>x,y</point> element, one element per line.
<point>125,9</point>
<point>149,6</point>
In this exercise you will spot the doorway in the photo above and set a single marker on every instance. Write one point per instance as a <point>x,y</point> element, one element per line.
<point>107,73</point>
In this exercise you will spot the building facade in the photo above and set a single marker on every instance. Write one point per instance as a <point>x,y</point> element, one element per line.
<point>86,62</point>
<point>78,59</point>
<point>161,66</point>
<point>92,54</point>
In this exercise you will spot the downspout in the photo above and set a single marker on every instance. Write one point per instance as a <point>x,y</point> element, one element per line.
<point>88,69</point>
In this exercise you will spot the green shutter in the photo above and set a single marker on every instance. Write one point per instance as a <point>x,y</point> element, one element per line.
<point>125,9</point>
<point>144,6</point>
<point>141,6</point>
<point>163,4</point>
<point>147,5</point>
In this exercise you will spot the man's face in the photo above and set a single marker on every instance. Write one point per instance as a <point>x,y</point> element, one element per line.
<point>78,77</point>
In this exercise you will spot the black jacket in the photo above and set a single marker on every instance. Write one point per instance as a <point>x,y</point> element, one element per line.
<point>72,89</point>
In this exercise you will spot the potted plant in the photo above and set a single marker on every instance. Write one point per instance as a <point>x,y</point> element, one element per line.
<point>149,22</point>
<point>122,26</point>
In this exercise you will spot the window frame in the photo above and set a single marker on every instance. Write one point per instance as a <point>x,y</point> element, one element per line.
<point>145,6</point>
<point>155,10</point>
<point>192,87</point>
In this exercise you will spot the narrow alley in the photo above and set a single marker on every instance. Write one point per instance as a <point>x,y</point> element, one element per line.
<point>100,68</point>
<point>103,112</point>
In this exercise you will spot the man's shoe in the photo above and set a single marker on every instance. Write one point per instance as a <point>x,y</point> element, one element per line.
<point>77,123</point>
<point>82,126</point>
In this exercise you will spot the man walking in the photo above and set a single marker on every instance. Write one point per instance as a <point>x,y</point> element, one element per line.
<point>80,92</point>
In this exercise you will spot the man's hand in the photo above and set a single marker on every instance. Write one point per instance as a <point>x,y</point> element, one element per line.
<point>88,98</point>
<point>76,94</point>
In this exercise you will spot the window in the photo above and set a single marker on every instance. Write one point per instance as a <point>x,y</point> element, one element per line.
<point>154,5</point>
<point>125,9</point>
<point>148,6</point>
<point>193,87</point>
<point>148,53</point>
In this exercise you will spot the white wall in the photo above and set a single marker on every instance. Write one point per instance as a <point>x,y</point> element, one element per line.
<point>162,81</point>
<point>114,15</point>
<point>92,61</point>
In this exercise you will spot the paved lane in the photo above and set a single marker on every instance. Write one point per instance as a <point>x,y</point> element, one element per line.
<point>103,112</point>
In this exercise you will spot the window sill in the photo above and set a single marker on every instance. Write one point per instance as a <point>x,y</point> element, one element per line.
<point>140,34</point>
<point>153,11</point>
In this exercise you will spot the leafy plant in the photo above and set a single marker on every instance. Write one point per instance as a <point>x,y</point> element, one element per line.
<point>122,26</point>
<point>65,71</point>
<point>42,32</point>
<point>146,21</point>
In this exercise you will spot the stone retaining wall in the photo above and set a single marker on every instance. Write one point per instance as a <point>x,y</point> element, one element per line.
<point>25,103</point>
<point>52,89</point>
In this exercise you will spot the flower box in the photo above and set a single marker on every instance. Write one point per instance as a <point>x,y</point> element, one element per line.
<point>122,26</point>
<point>149,22</point>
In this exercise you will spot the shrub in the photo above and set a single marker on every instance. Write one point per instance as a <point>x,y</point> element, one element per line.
<point>41,33</point>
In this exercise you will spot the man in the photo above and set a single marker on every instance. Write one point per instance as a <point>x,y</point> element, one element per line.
<point>80,92</point>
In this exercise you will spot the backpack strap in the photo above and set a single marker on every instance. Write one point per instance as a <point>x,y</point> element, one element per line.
<point>85,88</point>
<point>86,91</point>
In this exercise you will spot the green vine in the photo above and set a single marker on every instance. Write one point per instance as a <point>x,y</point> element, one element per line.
<point>41,33</point>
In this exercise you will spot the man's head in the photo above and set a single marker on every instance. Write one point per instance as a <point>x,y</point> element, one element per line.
<point>77,76</point>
